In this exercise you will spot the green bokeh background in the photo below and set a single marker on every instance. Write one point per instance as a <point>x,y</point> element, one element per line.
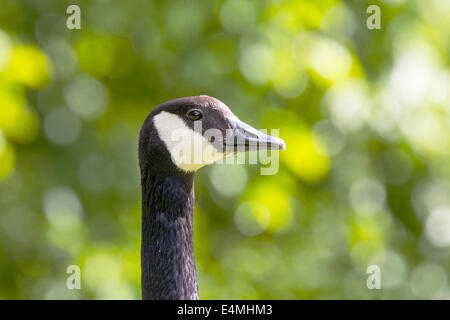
<point>365,179</point>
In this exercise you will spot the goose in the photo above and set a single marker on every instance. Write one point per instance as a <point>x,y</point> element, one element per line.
<point>176,139</point>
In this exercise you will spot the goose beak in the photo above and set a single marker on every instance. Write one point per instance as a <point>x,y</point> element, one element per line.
<point>244,137</point>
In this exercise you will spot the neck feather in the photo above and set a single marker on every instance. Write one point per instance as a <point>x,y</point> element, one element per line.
<point>167,252</point>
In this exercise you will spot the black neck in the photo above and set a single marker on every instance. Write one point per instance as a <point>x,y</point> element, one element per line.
<point>167,252</point>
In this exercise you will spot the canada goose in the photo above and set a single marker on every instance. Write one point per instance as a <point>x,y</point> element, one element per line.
<point>205,130</point>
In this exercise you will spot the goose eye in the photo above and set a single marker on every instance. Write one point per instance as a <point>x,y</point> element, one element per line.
<point>195,115</point>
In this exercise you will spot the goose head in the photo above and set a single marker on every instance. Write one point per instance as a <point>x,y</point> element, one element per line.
<point>186,134</point>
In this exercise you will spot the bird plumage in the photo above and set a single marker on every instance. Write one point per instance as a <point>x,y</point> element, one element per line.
<point>167,252</point>
<point>167,181</point>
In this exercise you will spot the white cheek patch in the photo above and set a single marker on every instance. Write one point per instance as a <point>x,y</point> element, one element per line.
<point>188,149</point>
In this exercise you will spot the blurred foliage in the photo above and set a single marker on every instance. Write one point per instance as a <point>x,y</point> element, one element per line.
<point>365,113</point>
